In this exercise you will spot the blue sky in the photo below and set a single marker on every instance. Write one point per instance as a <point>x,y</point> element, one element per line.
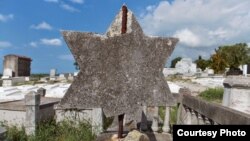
<point>32,27</point>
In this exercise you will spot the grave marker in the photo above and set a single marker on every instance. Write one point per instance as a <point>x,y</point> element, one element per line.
<point>119,71</point>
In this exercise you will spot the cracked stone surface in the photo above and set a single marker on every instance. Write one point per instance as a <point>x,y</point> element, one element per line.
<point>118,72</point>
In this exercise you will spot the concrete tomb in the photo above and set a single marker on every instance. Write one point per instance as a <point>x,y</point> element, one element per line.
<point>16,65</point>
<point>118,72</point>
<point>186,66</point>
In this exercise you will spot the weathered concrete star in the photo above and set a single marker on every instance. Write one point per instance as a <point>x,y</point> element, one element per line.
<point>118,72</point>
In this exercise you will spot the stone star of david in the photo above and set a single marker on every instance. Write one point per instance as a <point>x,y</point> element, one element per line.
<point>118,72</point>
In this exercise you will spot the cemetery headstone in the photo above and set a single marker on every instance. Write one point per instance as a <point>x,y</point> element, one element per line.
<point>119,71</point>
<point>52,74</point>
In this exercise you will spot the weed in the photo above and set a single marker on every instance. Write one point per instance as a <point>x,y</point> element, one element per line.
<point>212,94</point>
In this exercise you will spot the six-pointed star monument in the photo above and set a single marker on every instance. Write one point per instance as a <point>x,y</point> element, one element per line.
<point>118,72</point>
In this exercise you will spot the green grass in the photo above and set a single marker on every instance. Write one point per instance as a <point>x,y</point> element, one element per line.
<point>16,134</point>
<point>25,83</point>
<point>52,131</point>
<point>38,76</point>
<point>173,114</point>
<point>212,94</point>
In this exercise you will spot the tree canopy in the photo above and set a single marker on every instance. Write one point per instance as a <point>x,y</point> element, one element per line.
<point>234,55</point>
<point>202,63</point>
<point>76,66</point>
<point>231,56</point>
<point>174,61</point>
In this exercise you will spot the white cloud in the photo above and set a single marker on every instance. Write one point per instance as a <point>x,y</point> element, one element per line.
<point>69,8</point>
<point>33,44</point>
<point>67,57</point>
<point>187,38</point>
<point>42,25</point>
<point>5,18</point>
<point>77,1</point>
<point>65,6</point>
<point>5,44</point>
<point>199,23</point>
<point>52,1</point>
<point>51,42</point>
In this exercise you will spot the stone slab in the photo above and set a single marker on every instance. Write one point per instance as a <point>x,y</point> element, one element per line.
<point>119,72</point>
<point>19,105</point>
<point>237,81</point>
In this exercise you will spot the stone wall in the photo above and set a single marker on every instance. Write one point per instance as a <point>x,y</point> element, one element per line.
<point>12,117</point>
<point>28,112</point>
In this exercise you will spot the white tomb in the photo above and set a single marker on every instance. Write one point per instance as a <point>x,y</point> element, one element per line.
<point>186,66</point>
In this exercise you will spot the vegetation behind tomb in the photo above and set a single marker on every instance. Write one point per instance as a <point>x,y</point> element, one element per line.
<point>174,61</point>
<point>37,76</point>
<point>202,63</point>
<point>52,131</point>
<point>226,56</point>
<point>231,56</point>
<point>173,114</point>
<point>212,94</point>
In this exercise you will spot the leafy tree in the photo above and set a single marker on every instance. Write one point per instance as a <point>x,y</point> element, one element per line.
<point>234,55</point>
<point>218,63</point>
<point>202,63</point>
<point>76,66</point>
<point>174,61</point>
<point>231,56</point>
